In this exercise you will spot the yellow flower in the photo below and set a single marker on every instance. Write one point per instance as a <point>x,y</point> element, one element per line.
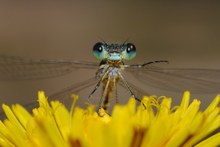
<point>153,123</point>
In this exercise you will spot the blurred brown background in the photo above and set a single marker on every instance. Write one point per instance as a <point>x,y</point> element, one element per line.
<point>185,33</point>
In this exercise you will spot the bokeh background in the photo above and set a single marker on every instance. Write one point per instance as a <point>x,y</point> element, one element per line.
<point>186,33</point>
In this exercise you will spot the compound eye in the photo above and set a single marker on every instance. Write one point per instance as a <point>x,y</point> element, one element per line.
<point>98,47</point>
<point>98,50</point>
<point>130,48</point>
<point>130,51</point>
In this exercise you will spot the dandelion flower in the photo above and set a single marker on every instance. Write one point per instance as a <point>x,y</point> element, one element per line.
<point>152,123</point>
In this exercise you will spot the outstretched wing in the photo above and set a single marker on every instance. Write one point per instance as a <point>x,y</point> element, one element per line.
<point>17,68</point>
<point>64,95</point>
<point>177,79</point>
<point>75,88</point>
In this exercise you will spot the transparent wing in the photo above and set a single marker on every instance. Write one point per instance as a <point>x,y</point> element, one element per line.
<point>138,91</point>
<point>64,95</point>
<point>75,88</point>
<point>177,80</point>
<point>17,68</point>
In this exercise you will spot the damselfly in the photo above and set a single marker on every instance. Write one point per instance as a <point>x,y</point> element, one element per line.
<point>110,73</point>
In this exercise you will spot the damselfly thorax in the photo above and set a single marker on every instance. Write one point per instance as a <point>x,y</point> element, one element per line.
<point>110,77</point>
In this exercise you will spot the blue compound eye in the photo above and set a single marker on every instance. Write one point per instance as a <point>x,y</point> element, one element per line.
<point>130,51</point>
<point>98,50</point>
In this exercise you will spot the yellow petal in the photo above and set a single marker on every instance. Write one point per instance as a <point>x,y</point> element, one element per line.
<point>211,141</point>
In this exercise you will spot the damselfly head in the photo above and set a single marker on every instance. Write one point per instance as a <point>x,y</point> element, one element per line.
<point>114,52</point>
